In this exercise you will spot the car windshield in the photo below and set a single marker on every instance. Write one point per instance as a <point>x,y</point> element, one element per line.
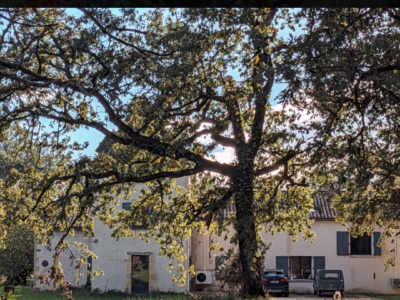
<point>278,274</point>
<point>330,276</point>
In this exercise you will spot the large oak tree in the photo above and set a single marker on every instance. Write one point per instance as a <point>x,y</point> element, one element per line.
<point>166,79</point>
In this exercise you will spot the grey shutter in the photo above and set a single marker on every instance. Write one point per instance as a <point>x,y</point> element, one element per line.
<point>342,242</point>
<point>377,250</point>
<point>282,262</point>
<point>89,260</point>
<point>319,263</point>
<point>89,268</point>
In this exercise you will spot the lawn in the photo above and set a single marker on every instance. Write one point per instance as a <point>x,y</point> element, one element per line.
<point>27,293</point>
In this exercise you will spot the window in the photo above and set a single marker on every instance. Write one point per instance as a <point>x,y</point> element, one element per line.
<point>127,206</point>
<point>330,276</point>
<point>300,267</point>
<point>361,245</point>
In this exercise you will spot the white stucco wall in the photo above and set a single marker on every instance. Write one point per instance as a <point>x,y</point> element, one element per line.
<point>70,272</point>
<point>114,260</point>
<point>358,270</point>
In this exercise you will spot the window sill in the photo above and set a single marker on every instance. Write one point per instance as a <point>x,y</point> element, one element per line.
<point>362,256</point>
<point>300,280</point>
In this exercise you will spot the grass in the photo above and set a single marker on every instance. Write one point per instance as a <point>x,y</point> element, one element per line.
<point>27,293</point>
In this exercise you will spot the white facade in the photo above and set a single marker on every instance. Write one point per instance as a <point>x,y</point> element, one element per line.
<point>44,260</point>
<point>362,273</point>
<point>115,259</point>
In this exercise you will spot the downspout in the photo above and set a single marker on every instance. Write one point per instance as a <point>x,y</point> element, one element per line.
<point>189,260</point>
<point>395,257</point>
<point>204,252</point>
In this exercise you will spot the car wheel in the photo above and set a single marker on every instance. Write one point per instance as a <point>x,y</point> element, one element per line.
<point>286,294</point>
<point>319,293</point>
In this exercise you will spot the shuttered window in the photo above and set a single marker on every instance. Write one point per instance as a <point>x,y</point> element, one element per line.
<point>360,245</point>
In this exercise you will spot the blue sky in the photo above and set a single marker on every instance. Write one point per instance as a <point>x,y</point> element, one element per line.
<point>94,137</point>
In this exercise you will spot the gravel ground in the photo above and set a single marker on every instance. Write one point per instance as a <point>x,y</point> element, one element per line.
<point>325,297</point>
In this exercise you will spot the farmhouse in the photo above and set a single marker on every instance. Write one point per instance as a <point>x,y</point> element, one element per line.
<point>360,259</point>
<point>133,266</point>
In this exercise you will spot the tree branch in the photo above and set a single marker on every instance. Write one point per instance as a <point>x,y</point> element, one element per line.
<point>104,30</point>
<point>275,166</point>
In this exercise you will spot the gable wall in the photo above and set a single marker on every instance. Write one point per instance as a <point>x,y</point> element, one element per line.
<point>114,258</point>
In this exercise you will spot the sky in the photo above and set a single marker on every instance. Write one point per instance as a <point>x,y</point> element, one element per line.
<point>93,137</point>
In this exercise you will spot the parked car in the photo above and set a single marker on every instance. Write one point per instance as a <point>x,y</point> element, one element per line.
<point>328,281</point>
<point>275,281</point>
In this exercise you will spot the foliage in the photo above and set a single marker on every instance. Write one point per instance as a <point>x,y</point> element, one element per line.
<point>352,66</point>
<point>9,296</point>
<point>16,259</point>
<point>230,272</point>
<point>165,81</point>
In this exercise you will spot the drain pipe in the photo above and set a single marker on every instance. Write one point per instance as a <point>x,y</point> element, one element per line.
<point>204,253</point>
<point>189,250</point>
<point>395,257</point>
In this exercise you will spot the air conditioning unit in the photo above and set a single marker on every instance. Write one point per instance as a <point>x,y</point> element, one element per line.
<point>396,282</point>
<point>203,277</point>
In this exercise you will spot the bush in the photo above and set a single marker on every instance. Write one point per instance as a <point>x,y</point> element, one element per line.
<point>16,259</point>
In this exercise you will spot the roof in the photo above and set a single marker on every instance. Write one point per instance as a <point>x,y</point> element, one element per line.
<point>104,145</point>
<point>322,207</point>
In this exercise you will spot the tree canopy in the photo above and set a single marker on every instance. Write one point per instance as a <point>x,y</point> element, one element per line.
<point>168,78</point>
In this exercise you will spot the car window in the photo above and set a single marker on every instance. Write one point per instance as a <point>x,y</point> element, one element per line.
<point>330,276</point>
<point>279,274</point>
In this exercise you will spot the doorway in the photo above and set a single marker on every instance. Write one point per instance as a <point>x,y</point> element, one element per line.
<point>140,274</point>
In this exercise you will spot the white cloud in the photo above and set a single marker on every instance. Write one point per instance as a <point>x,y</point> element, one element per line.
<point>226,156</point>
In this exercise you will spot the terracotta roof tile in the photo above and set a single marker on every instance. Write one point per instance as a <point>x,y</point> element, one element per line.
<point>322,207</point>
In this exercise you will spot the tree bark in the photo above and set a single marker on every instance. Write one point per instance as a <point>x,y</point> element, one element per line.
<point>251,263</point>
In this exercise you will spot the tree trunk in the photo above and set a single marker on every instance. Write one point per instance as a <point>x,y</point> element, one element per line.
<point>251,263</point>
